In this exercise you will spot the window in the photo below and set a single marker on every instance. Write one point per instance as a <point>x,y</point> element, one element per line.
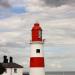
<point>15,70</point>
<point>40,34</point>
<point>37,50</point>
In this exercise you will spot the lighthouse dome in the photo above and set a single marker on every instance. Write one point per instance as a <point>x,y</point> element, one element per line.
<point>36,26</point>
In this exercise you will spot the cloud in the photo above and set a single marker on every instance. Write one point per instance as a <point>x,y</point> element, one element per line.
<point>57,3</point>
<point>4,3</point>
<point>9,8</point>
<point>13,45</point>
<point>17,3</point>
<point>11,3</point>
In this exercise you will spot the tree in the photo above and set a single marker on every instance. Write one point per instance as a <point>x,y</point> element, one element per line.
<point>2,69</point>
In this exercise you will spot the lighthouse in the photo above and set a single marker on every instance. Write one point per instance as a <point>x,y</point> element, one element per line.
<point>37,54</point>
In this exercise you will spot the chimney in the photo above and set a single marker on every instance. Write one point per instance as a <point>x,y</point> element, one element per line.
<point>11,60</point>
<point>5,60</point>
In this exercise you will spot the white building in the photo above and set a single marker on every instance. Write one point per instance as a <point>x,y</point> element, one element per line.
<point>12,68</point>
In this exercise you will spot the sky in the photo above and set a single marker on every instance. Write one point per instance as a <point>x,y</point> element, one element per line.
<point>57,19</point>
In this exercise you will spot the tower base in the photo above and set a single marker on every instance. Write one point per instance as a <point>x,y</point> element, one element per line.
<point>37,71</point>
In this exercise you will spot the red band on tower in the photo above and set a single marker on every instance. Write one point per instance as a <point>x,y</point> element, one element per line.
<point>37,62</point>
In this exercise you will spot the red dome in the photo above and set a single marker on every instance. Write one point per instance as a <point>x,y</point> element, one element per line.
<point>36,26</point>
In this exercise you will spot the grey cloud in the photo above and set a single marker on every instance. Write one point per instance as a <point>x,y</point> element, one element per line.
<point>13,45</point>
<point>66,32</point>
<point>3,50</point>
<point>57,3</point>
<point>69,32</point>
<point>4,3</point>
<point>60,57</point>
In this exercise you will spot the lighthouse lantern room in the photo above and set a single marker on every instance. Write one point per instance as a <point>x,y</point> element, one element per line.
<point>36,32</point>
<point>37,53</point>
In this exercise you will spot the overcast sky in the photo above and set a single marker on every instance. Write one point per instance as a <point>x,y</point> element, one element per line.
<point>57,19</point>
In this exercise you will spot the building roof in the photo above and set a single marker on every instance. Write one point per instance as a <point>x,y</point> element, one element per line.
<point>11,65</point>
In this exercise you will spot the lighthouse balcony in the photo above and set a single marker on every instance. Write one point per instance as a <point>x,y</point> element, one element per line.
<point>41,42</point>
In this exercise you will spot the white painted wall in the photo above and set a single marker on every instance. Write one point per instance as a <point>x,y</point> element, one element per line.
<point>10,71</point>
<point>35,46</point>
<point>37,71</point>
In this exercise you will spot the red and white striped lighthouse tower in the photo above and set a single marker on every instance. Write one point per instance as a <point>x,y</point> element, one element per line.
<point>37,55</point>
